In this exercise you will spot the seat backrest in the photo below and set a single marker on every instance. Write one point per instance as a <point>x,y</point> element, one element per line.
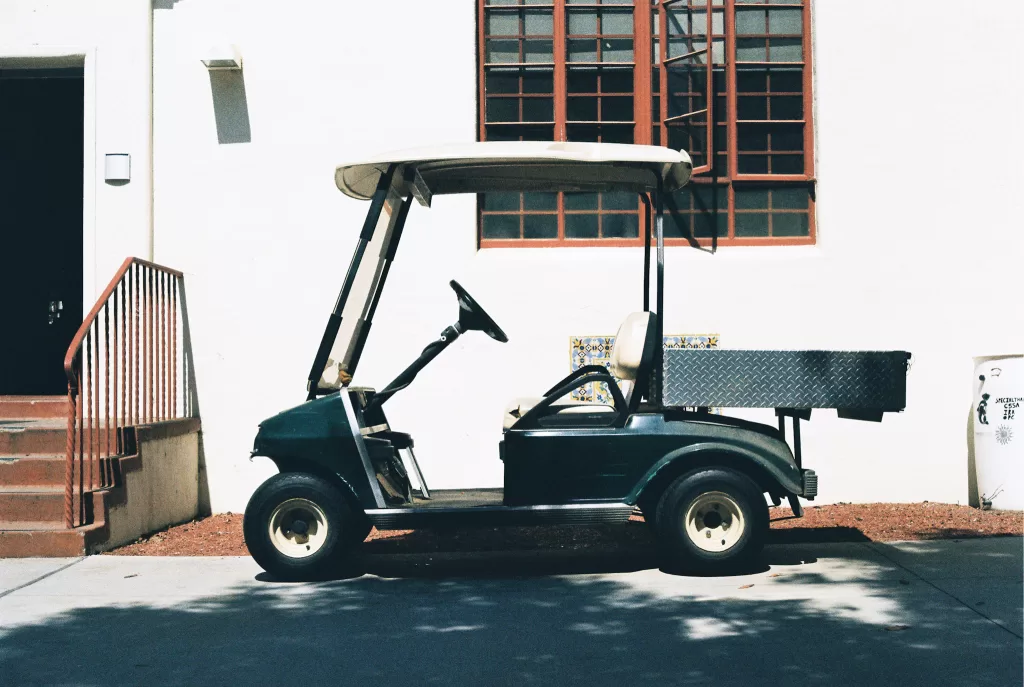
<point>632,355</point>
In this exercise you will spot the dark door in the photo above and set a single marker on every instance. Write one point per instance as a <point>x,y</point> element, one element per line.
<point>41,158</point>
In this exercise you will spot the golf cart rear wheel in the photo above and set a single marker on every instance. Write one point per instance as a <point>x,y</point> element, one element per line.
<point>299,526</point>
<point>712,520</point>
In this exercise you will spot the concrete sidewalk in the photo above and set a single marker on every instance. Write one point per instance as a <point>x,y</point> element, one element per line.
<point>922,613</point>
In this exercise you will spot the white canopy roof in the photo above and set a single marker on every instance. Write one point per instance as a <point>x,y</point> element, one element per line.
<point>524,166</point>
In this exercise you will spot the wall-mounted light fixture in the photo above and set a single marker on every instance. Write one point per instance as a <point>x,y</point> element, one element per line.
<point>117,168</point>
<point>223,57</point>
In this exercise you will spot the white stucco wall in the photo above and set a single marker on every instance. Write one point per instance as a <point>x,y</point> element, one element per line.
<point>110,38</point>
<point>918,214</point>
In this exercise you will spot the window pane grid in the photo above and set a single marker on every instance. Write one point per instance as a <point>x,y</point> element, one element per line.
<point>759,126</point>
<point>518,95</point>
<point>600,95</point>
<point>600,33</point>
<point>518,34</point>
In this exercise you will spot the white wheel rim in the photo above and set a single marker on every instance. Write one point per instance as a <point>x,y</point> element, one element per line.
<point>298,514</point>
<point>714,522</point>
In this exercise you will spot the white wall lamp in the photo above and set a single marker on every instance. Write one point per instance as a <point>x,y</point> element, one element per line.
<point>117,168</point>
<point>223,57</point>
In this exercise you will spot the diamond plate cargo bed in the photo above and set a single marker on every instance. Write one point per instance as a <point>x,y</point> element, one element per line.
<point>860,384</point>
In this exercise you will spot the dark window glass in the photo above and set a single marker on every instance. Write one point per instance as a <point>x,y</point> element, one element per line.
<point>619,201</point>
<point>620,226</point>
<point>581,227</point>
<point>787,164</point>
<point>502,109</point>
<point>538,82</point>
<point>581,201</point>
<point>540,226</point>
<point>790,224</point>
<point>581,81</point>
<point>538,110</point>
<point>710,225</point>
<point>501,202</point>
<point>787,107</point>
<point>751,199</point>
<point>790,198</point>
<point>752,107</point>
<point>751,224</point>
<point>501,226</point>
<point>752,164</point>
<point>502,82</point>
<point>536,200</point>
<point>616,109</point>
<point>580,109</point>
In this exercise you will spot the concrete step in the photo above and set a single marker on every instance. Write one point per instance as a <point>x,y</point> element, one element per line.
<point>32,504</point>
<point>33,406</point>
<point>32,469</point>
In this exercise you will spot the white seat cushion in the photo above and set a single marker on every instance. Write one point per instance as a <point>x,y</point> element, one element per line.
<point>521,406</point>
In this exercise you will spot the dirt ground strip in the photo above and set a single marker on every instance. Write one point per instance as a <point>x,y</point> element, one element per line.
<point>221,535</point>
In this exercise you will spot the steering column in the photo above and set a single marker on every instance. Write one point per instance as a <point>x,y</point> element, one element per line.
<point>471,316</point>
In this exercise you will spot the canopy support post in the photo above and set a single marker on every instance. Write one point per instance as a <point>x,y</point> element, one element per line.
<point>647,251</point>
<point>659,315</point>
<point>334,321</point>
<point>387,256</point>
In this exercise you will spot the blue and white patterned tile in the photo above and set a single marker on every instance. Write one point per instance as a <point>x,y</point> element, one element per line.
<point>597,350</point>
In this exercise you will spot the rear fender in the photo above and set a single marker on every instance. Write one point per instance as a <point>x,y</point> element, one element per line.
<point>773,473</point>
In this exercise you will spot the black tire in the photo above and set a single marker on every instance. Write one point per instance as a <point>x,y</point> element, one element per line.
<point>291,498</point>
<point>722,500</point>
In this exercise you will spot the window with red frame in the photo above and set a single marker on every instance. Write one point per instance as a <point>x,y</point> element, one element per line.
<point>729,81</point>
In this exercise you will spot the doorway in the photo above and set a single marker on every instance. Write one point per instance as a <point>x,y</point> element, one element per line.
<point>41,235</point>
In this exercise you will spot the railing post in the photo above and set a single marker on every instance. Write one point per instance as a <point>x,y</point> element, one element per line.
<point>69,463</point>
<point>174,349</point>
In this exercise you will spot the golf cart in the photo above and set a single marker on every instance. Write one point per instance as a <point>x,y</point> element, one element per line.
<point>699,478</point>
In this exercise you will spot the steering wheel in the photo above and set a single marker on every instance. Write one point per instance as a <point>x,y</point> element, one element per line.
<point>472,316</point>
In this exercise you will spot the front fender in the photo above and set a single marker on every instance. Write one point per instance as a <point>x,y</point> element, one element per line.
<point>316,437</point>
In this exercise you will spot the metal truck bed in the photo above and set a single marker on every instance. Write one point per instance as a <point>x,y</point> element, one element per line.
<point>860,384</point>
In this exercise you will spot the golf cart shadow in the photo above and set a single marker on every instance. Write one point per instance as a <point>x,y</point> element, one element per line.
<point>422,554</point>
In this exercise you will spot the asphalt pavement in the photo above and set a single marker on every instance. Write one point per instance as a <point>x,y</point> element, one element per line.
<point>921,613</point>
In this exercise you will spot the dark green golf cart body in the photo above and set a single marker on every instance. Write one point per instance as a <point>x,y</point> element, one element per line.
<point>583,467</point>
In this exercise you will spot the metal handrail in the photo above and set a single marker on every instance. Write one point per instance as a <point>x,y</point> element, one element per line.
<point>141,305</point>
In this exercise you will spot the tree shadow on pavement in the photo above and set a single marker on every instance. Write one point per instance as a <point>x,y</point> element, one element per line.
<point>864,622</point>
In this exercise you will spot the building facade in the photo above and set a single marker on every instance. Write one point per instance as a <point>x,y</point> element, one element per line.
<point>860,189</point>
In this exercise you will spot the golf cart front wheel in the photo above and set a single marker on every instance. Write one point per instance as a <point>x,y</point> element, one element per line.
<point>299,526</point>
<point>712,520</point>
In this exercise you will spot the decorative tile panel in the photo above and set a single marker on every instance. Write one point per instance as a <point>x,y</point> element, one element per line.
<point>597,350</point>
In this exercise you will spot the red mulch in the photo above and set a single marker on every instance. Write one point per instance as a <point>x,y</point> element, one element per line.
<point>221,535</point>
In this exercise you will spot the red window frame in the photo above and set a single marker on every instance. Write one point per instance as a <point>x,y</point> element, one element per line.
<point>647,128</point>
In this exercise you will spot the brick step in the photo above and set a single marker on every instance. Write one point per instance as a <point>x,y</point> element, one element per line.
<point>51,543</point>
<point>33,406</point>
<point>28,535</point>
<point>32,504</point>
<point>31,526</point>
<point>32,436</point>
<point>47,437</point>
<point>32,469</point>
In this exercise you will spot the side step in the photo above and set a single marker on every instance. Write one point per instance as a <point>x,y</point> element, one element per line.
<point>499,516</point>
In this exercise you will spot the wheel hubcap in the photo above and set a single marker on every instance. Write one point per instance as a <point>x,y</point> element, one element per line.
<point>298,528</point>
<point>714,522</point>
